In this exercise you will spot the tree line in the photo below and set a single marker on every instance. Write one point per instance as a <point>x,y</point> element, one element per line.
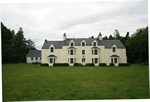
<point>14,46</point>
<point>136,44</point>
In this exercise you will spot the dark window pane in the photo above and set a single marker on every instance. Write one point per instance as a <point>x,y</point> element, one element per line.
<point>83,44</point>
<point>83,51</point>
<point>95,52</point>
<point>113,49</point>
<point>31,58</point>
<point>115,60</point>
<point>51,60</point>
<point>92,52</point>
<point>71,44</point>
<point>71,52</point>
<point>92,60</point>
<point>52,50</point>
<point>111,60</point>
<point>54,60</point>
<point>95,60</point>
<point>71,60</point>
<point>94,43</point>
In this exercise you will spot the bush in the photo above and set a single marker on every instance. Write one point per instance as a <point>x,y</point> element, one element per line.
<point>138,60</point>
<point>102,64</point>
<point>124,64</point>
<point>36,62</point>
<point>146,63</point>
<point>60,64</point>
<point>111,64</point>
<point>77,64</point>
<point>89,64</point>
<point>44,64</point>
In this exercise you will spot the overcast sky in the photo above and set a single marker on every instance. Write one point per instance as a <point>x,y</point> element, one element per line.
<point>49,21</point>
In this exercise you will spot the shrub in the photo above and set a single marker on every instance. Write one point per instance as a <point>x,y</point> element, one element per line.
<point>44,64</point>
<point>138,60</point>
<point>36,62</point>
<point>77,64</point>
<point>146,63</point>
<point>124,64</point>
<point>89,64</point>
<point>111,64</point>
<point>60,64</point>
<point>102,64</point>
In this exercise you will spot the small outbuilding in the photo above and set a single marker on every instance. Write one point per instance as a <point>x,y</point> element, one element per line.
<point>33,56</point>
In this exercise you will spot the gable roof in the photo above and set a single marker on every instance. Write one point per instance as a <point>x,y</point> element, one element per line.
<point>34,53</point>
<point>59,44</point>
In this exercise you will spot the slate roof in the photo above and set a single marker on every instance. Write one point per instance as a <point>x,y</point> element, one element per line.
<point>34,53</point>
<point>59,44</point>
<point>114,56</point>
<point>51,56</point>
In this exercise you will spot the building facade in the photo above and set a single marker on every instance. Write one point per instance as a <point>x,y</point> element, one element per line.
<point>84,50</point>
<point>33,56</point>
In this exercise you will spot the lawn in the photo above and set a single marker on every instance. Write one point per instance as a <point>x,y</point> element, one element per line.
<point>27,82</point>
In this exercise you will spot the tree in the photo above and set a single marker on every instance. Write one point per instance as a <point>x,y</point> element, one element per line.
<point>111,37</point>
<point>105,38</point>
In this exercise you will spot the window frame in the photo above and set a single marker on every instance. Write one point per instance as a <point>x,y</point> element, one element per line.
<point>83,52</point>
<point>112,60</point>
<point>51,60</point>
<point>83,43</point>
<point>31,58</point>
<point>96,60</point>
<point>71,44</point>
<point>71,60</point>
<point>114,49</point>
<point>95,52</point>
<point>52,49</point>
<point>71,52</point>
<point>115,60</point>
<point>36,58</point>
<point>94,43</point>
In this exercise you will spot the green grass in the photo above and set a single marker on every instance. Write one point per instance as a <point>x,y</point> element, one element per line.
<point>27,82</point>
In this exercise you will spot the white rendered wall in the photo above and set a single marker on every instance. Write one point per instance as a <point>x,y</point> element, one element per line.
<point>28,59</point>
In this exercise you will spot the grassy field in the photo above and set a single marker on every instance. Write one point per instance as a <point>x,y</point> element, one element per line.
<point>26,82</point>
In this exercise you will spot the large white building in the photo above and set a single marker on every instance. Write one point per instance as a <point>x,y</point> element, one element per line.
<point>83,50</point>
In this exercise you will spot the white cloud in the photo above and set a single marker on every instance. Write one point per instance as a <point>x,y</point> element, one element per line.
<point>42,21</point>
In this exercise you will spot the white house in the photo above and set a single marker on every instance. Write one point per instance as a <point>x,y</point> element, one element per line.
<point>84,50</point>
<point>33,56</point>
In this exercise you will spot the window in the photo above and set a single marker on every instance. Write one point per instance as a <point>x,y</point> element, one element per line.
<point>74,60</point>
<point>111,60</point>
<point>83,52</point>
<point>68,52</point>
<point>94,43</point>
<point>51,60</point>
<point>71,60</point>
<point>40,58</point>
<point>83,44</point>
<point>31,58</point>
<point>99,60</point>
<point>36,58</point>
<point>54,60</point>
<point>92,52</point>
<point>71,44</point>
<point>74,52</point>
<point>52,50</point>
<point>83,59</point>
<point>115,60</point>
<point>95,60</point>
<point>71,52</point>
<point>92,60</point>
<point>68,60</point>
<point>113,49</point>
<point>95,52</point>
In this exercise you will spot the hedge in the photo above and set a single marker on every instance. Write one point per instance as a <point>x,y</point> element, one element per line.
<point>102,64</point>
<point>60,64</point>
<point>89,64</point>
<point>44,64</point>
<point>124,64</point>
<point>77,64</point>
<point>111,64</point>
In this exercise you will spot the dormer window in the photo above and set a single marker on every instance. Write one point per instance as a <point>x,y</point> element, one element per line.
<point>71,44</point>
<point>94,44</point>
<point>114,49</point>
<point>52,49</point>
<point>83,44</point>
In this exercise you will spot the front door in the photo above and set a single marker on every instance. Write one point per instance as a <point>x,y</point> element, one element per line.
<point>83,61</point>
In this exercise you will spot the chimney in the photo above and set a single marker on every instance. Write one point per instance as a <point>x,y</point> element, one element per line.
<point>45,40</point>
<point>100,36</point>
<point>64,36</point>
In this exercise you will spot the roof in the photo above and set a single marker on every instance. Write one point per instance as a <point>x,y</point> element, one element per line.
<point>51,56</point>
<point>114,56</point>
<point>59,44</point>
<point>34,53</point>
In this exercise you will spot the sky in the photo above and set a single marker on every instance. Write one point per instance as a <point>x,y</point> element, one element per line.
<point>51,20</point>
